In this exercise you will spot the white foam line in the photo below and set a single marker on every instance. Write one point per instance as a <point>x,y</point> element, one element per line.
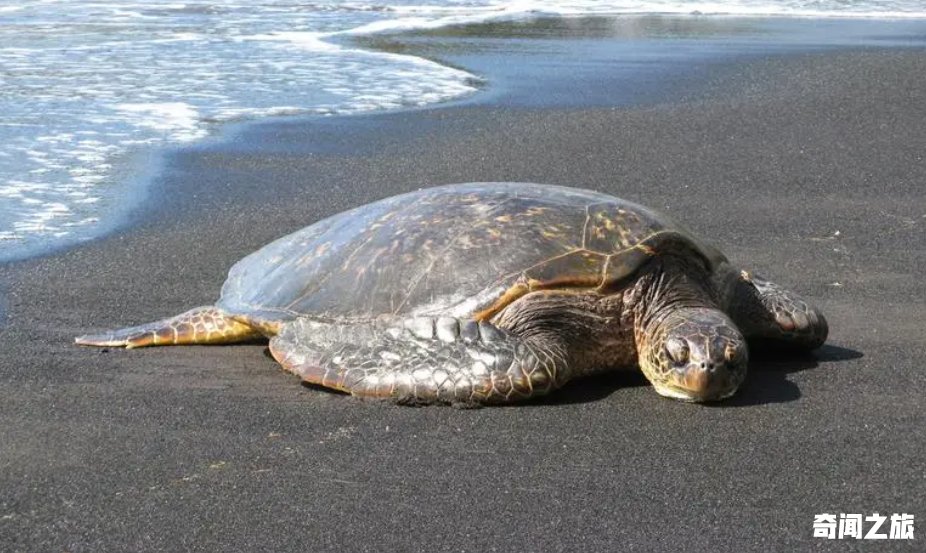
<point>306,39</point>
<point>463,15</point>
<point>315,42</point>
<point>460,16</point>
<point>179,118</point>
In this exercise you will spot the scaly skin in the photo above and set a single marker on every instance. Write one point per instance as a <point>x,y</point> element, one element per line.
<point>420,360</point>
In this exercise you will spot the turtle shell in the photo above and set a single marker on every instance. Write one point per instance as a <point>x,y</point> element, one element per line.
<point>460,250</point>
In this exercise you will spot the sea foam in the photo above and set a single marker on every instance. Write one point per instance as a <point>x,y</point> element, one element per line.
<point>86,84</point>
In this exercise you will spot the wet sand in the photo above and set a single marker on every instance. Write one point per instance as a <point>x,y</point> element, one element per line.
<point>807,167</point>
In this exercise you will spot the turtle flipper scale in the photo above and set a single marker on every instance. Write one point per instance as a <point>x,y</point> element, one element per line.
<point>202,325</point>
<point>420,360</point>
<point>766,310</point>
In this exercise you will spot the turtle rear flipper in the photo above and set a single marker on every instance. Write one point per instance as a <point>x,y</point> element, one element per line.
<point>420,360</point>
<point>202,325</point>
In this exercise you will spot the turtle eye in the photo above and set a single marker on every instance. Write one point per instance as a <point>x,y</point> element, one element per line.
<point>731,353</point>
<point>677,350</point>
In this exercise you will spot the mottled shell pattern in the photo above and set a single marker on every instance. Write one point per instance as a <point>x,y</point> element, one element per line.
<point>458,250</point>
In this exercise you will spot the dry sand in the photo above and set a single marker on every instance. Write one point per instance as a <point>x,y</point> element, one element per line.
<point>808,168</point>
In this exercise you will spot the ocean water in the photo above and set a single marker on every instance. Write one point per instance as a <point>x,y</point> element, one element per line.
<point>86,85</point>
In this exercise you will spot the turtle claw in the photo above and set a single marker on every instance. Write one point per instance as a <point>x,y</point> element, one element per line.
<point>111,339</point>
<point>134,337</point>
<point>793,322</point>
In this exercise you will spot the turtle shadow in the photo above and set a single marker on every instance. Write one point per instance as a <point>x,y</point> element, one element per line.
<point>593,388</point>
<point>769,367</point>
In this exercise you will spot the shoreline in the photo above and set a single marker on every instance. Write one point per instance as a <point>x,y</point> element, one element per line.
<point>645,54</point>
<point>496,92</point>
<point>808,169</point>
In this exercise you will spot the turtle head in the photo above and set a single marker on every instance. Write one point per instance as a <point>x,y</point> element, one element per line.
<point>694,354</point>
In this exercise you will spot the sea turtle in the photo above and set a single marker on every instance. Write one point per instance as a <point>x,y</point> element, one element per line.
<point>492,293</point>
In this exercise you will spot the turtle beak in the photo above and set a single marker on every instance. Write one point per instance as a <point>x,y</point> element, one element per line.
<point>697,386</point>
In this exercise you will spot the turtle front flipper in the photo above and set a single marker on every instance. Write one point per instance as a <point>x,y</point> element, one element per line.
<point>765,310</point>
<point>203,325</point>
<point>420,360</point>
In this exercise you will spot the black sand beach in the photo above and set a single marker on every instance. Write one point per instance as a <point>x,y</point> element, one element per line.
<point>807,166</point>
